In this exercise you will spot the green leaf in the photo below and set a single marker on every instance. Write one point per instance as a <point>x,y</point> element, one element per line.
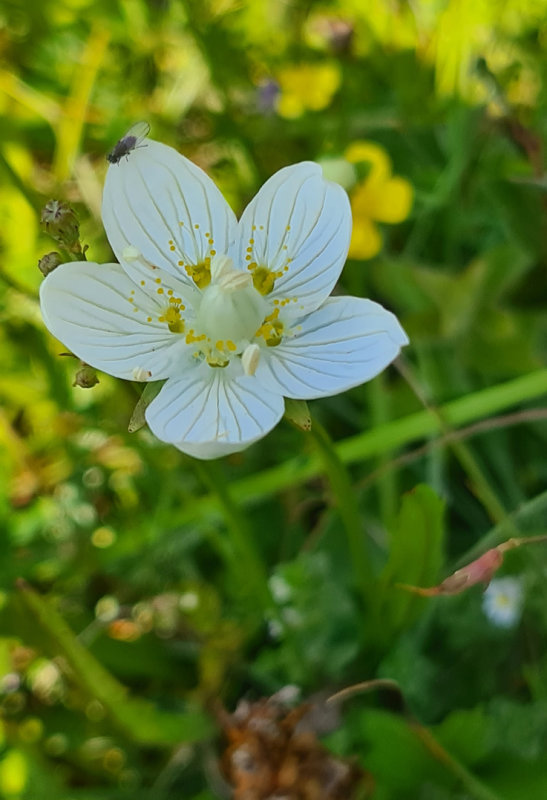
<point>138,719</point>
<point>395,755</point>
<point>466,733</point>
<point>415,557</point>
<point>150,391</point>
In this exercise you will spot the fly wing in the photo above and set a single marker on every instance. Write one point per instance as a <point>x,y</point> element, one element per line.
<point>138,132</point>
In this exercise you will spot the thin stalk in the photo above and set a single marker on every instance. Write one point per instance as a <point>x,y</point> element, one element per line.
<point>386,484</point>
<point>462,451</point>
<point>522,519</point>
<point>346,502</point>
<point>252,572</point>
<point>470,783</point>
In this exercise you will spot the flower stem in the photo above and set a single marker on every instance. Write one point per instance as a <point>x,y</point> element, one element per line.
<point>244,555</point>
<point>472,785</point>
<point>386,483</point>
<point>348,509</point>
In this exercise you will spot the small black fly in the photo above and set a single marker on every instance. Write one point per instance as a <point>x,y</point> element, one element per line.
<point>129,141</point>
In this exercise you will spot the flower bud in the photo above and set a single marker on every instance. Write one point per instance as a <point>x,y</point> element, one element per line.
<point>49,262</point>
<point>86,377</point>
<point>60,221</point>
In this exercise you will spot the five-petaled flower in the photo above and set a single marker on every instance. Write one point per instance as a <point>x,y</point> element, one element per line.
<point>234,316</point>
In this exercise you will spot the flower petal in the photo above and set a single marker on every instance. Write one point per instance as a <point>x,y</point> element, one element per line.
<point>343,344</point>
<point>158,202</point>
<point>299,225</point>
<point>394,202</point>
<point>366,241</point>
<point>369,152</point>
<point>101,316</point>
<point>209,413</point>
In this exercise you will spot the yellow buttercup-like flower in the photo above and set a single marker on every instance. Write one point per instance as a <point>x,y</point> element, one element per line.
<point>380,197</point>
<point>307,87</point>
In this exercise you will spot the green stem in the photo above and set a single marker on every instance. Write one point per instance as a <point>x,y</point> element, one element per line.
<point>386,483</point>
<point>464,454</point>
<point>480,483</point>
<point>522,519</point>
<point>244,556</point>
<point>472,785</point>
<point>138,719</point>
<point>348,509</point>
<point>374,442</point>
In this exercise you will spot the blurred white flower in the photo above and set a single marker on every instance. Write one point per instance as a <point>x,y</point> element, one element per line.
<point>234,316</point>
<point>502,601</point>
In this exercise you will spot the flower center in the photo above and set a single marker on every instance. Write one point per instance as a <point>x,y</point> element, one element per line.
<point>224,319</point>
<point>231,309</point>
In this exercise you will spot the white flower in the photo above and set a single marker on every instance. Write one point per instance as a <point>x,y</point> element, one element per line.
<point>235,316</point>
<point>502,601</point>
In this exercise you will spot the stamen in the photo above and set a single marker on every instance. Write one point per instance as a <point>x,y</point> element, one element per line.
<point>250,359</point>
<point>272,329</point>
<point>141,374</point>
<point>130,253</point>
<point>200,273</point>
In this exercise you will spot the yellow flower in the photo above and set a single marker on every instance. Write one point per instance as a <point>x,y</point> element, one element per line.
<point>380,197</point>
<point>307,87</point>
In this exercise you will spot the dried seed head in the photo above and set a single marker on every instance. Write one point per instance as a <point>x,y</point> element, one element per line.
<point>60,221</point>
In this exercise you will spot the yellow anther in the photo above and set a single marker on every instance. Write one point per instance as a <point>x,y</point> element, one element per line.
<point>175,323</point>
<point>271,329</point>
<point>263,280</point>
<point>200,273</point>
<point>157,280</point>
<point>231,346</point>
<point>215,361</point>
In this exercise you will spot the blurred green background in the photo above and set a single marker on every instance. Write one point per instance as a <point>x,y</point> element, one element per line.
<point>193,585</point>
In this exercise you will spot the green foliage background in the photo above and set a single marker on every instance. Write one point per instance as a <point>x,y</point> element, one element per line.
<point>164,584</point>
